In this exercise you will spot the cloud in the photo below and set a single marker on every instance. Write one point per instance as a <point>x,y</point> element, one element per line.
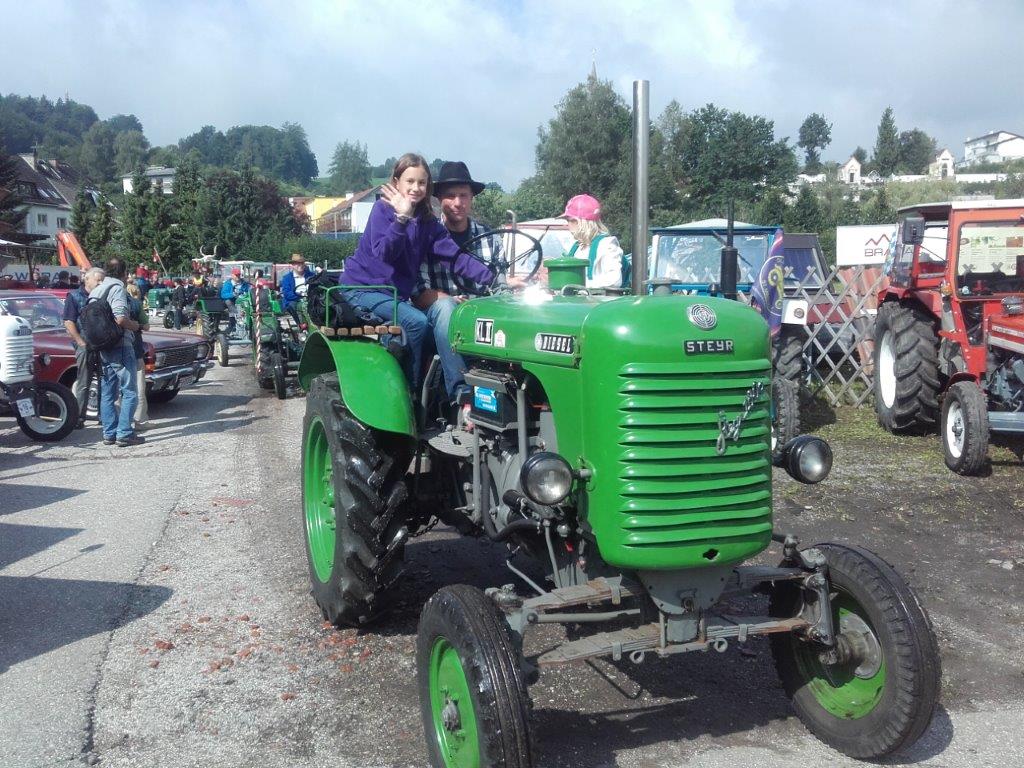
<point>474,80</point>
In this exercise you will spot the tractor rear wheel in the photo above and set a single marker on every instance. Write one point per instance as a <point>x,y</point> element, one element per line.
<point>907,382</point>
<point>785,415</point>
<point>788,354</point>
<point>879,696</point>
<point>965,428</point>
<point>353,498</point>
<point>473,697</point>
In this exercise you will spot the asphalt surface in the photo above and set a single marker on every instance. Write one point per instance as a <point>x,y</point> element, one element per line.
<point>154,611</point>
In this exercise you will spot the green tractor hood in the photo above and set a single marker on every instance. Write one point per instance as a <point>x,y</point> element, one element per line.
<point>637,387</point>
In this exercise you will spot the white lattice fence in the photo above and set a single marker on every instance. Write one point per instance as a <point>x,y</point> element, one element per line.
<point>838,348</point>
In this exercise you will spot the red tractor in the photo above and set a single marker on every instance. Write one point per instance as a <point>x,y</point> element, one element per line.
<point>950,327</point>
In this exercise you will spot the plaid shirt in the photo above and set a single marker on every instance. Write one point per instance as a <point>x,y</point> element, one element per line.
<point>437,274</point>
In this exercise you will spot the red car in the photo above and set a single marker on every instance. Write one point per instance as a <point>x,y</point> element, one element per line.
<point>173,360</point>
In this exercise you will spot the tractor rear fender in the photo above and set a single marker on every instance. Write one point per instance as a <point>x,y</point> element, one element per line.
<point>372,383</point>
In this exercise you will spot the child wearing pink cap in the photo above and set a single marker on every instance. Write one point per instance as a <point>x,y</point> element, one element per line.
<point>594,242</point>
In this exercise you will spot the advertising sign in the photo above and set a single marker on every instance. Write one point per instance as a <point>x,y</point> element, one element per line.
<point>868,244</point>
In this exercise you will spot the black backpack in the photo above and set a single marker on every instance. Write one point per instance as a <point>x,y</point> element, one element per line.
<point>343,314</point>
<point>98,326</point>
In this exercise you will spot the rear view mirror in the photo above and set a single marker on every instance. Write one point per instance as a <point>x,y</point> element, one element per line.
<point>912,230</point>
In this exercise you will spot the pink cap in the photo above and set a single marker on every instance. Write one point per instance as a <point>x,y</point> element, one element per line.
<point>583,207</point>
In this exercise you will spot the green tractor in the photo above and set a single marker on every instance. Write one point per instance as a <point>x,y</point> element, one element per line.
<point>277,340</point>
<point>625,443</point>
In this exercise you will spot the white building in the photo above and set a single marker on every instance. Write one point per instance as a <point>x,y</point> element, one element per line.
<point>160,177</point>
<point>994,147</point>
<point>48,188</point>
<point>849,172</point>
<point>944,165</point>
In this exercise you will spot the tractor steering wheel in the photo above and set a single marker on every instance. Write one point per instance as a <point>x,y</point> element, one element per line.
<point>500,265</point>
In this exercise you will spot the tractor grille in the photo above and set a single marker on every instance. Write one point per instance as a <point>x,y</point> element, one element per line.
<point>179,356</point>
<point>675,489</point>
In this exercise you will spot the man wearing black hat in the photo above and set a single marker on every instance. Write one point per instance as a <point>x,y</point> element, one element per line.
<point>455,189</point>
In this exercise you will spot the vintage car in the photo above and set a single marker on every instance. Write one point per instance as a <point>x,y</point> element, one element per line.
<point>173,360</point>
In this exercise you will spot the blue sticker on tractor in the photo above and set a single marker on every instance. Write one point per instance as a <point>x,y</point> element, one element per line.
<point>484,399</point>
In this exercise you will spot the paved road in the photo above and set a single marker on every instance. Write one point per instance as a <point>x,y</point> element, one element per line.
<point>154,612</point>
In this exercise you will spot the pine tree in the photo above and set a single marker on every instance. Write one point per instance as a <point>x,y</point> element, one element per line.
<point>135,238</point>
<point>81,215</point>
<point>887,145</point>
<point>100,232</point>
<point>12,209</point>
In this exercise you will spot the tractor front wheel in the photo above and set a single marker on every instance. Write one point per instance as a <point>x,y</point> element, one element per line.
<point>877,694</point>
<point>278,366</point>
<point>221,348</point>
<point>788,355</point>
<point>785,415</point>
<point>264,365</point>
<point>907,380</point>
<point>473,697</point>
<point>353,495</point>
<point>965,428</point>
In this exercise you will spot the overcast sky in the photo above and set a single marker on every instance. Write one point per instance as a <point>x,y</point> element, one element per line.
<point>473,80</point>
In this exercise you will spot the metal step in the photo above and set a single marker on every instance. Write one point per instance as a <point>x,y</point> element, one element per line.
<point>1005,421</point>
<point>453,442</point>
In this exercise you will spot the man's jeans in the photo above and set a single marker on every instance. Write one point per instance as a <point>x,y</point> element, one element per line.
<point>177,318</point>
<point>82,380</point>
<point>413,322</point>
<point>118,379</point>
<point>439,314</point>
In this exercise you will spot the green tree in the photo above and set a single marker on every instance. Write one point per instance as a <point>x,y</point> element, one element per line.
<point>130,149</point>
<point>82,215</point>
<point>101,231</point>
<point>349,169</point>
<point>123,123</point>
<point>805,215</point>
<point>533,201</point>
<point>815,134</point>
<point>1012,186</point>
<point>917,151</point>
<point>97,153</point>
<point>135,236</point>
<point>490,207</point>
<point>725,156</point>
<point>584,145</point>
<point>879,210</point>
<point>12,208</point>
<point>188,190</point>
<point>886,156</point>
<point>861,155</point>
<point>771,210</point>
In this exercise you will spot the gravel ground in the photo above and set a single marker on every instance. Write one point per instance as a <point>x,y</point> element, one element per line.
<point>209,650</point>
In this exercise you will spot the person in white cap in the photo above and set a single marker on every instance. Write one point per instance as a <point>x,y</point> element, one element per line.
<point>594,243</point>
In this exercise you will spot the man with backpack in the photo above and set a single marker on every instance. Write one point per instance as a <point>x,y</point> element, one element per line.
<point>85,361</point>
<point>107,326</point>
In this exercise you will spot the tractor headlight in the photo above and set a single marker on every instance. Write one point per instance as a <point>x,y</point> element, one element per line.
<point>546,478</point>
<point>44,360</point>
<point>808,459</point>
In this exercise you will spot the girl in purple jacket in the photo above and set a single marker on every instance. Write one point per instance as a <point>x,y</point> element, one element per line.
<point>400,234</point>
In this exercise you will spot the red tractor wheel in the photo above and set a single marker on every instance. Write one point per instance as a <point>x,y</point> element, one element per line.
<point>907,382</point>
<point>965,428</point>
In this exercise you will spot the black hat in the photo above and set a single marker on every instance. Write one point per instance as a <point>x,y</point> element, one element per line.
<point>456,173</point>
